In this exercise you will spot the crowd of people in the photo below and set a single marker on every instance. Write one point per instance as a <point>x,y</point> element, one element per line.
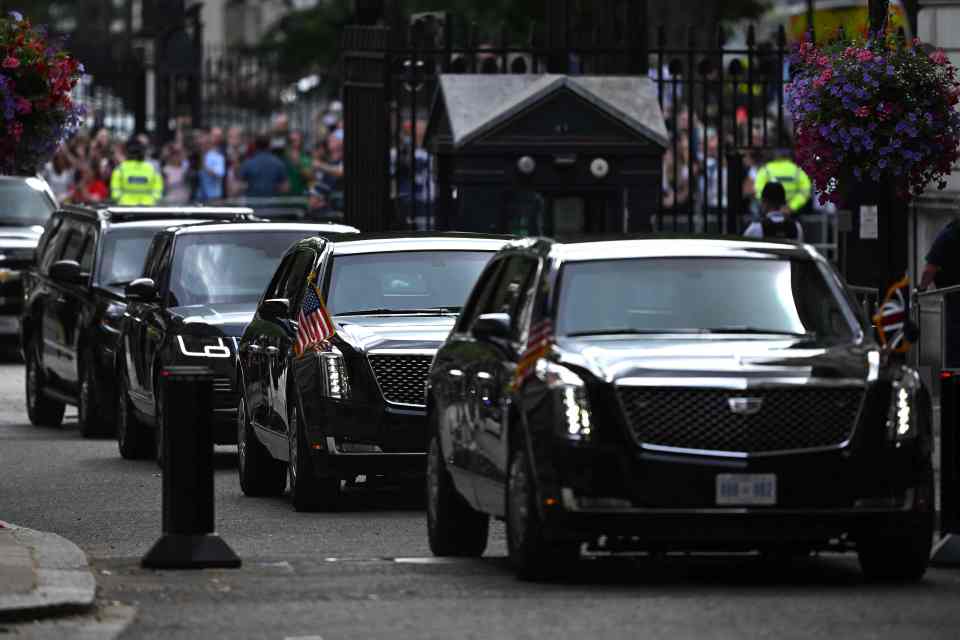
<point>207,165</point>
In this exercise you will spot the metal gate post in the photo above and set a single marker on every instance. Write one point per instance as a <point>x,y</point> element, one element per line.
<point>188,540</point>
<point>947,550</point>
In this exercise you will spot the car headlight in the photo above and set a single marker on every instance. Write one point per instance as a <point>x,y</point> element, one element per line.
<point>203,346</point>
<point>113,317</point>
<point>333,368</point>
<point>902,418</point>
<point>571,393</point>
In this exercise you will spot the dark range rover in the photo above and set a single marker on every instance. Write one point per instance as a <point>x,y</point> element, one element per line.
<point>349,409</point>
<point>75,304</point>
<point>25,206</point>
<point>199,289</point>
<point>677,394</point>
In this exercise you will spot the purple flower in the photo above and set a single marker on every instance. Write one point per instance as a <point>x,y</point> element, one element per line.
<point>885,151</point>
<point>857,173</point>
<point>882,163</point>
<point>890,70</point>
<point>868,143</point>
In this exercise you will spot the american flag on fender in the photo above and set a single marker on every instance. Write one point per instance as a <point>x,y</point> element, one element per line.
<point>538,345</point>
<point>315,322</point>
<point>892,316</point>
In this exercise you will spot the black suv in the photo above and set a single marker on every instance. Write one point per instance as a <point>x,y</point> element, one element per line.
<point>675,394</point>
<point>74,303</point>
<point>25,206</point>
<point>326,410</point>
<point>200,288</point>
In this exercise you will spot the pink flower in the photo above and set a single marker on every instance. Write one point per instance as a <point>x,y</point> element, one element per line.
<point>823,61</point>
<point>939,57</point>
<point>863,112</point>
<point>826,75</point>
<point>865,55</point>
<point>24,106</point>
<point>10,63</point>
<point>17,130</point>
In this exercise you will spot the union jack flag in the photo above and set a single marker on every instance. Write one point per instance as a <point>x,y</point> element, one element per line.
<point>892,316</point>
<point>315,323</point>
<point>538,345</point>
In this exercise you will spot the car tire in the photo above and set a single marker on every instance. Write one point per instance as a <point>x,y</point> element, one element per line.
<point>260,474</point>
<point>532,555</point>
<point>454,528</point>
<point>42,411</point>
<point>308,493</point>
<point>93,421</point>
<point>897,558</point>
<point>133,441</point>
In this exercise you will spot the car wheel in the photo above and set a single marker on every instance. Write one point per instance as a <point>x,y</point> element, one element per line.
<point>533,556</point>
<point>897,558</point>
<point>260,474</point>
<point>307,492</point>
<point>454,528</point>
<point>42,411</point>
<point>132,438</point>
<point>93,421</point>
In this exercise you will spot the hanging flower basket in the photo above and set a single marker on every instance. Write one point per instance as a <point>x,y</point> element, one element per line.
<point>878,109</point>
<point>36,77</point>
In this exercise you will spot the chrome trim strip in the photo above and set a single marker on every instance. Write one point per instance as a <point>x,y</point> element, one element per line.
<point>334,451</point>
<point>403,352</point>
<point>741,455</point>
<point>737,383</point>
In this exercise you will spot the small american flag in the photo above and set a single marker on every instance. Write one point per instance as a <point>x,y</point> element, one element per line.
<point>315,322</point>
<point>538,345</point>
<point>892,315</point>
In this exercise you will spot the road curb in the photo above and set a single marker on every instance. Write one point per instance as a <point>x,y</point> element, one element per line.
<point>63,582</point>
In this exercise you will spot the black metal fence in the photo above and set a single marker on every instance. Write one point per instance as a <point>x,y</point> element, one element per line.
<point>725,111</point>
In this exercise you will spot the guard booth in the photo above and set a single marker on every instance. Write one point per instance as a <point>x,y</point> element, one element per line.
<point>550,155</point>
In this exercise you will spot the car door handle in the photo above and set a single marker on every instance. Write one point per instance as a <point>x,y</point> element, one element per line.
<point>60,300</point>
<point>272,351</point>
<point>254,348</point>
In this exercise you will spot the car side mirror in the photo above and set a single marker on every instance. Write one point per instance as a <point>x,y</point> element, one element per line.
<point>141,290</point>
<point>491,326</point>
<point>275,309</point>
<point>67,272</point>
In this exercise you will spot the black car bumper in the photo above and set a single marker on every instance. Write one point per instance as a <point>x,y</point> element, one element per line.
<point>348,440</point>
<point>672,501</point>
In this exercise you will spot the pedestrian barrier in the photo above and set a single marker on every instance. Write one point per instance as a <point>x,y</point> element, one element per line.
<point>188,540</point>
<point>937,358</point>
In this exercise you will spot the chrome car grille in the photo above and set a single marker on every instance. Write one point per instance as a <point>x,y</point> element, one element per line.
<point>402,378</point>
<point>222,385</point>
<point>705,419</point>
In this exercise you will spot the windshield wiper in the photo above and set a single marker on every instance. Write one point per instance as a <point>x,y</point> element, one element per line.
<point>637,332</point>
<point>745,329</point>
<point>380,312</point>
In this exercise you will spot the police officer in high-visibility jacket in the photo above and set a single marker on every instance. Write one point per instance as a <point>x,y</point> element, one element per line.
<point>135,182</point>
<point>796,183</point>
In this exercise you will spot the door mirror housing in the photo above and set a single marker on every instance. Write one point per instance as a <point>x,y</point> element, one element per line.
<point>67,272</point>
<point>493,326</point>
<point>275,309</point>
<point>141,290</point>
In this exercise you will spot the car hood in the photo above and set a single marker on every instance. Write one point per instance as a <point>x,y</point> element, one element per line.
<point>617,358</point>
<point>221,319</point>
<point>413,332</point>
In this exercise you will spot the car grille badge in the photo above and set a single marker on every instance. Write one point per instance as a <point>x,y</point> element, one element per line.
<point>745,406</point>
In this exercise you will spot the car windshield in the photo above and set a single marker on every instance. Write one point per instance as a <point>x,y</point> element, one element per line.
<point>24,203</point>
<point>122,254</point>
<point>700,295</point>
<point>405,281</point>
<point>226,268</point>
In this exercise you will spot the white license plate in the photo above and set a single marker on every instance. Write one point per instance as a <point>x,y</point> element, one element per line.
<point>746,489</point>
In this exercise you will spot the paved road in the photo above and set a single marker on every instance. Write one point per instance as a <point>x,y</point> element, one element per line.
<point>366,572</point>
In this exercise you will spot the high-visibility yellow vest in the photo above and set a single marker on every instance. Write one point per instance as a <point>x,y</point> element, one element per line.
<point>796,183</point>
<point>135,182</point>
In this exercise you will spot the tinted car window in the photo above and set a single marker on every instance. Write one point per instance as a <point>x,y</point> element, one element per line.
<point>122,255</point>
<point>226,268</point>
<point>23,205</point>
<point>294,285</point>
<point>515,279</point>
<point>80,245</point>
<point>402,281</point>
<point>691,294</point>
<point>481,293</point>
<point>50,244</point>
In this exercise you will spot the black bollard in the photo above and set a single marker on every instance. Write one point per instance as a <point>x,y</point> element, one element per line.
<point>188,540</point>
<point>947,549</point>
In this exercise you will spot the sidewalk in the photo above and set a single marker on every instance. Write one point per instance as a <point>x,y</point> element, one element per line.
<point>42,574</point>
